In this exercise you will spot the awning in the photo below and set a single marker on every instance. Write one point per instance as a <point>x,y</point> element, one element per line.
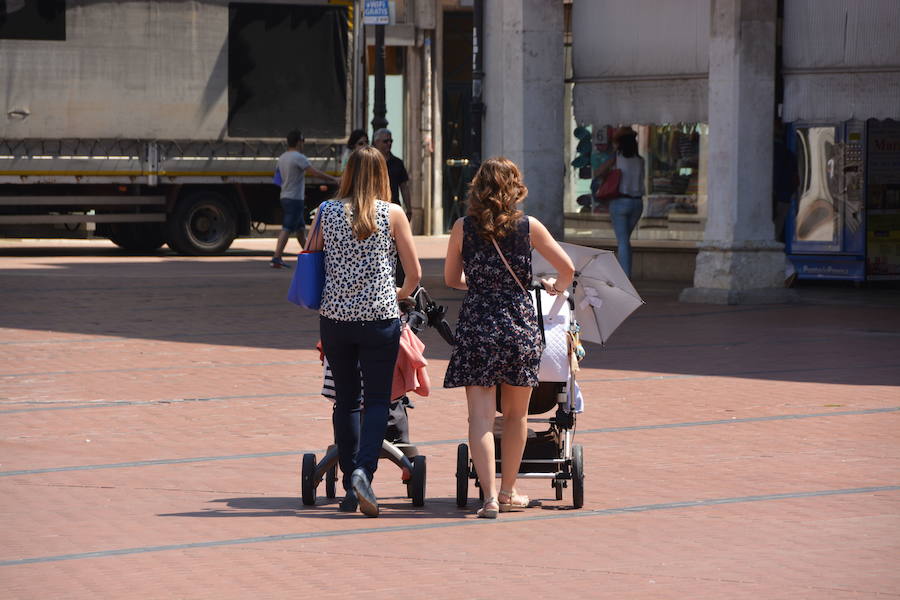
<point>841,60</point>
<point>642,61</point>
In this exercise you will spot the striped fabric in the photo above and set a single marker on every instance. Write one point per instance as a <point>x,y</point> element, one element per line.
<point>328,383</point>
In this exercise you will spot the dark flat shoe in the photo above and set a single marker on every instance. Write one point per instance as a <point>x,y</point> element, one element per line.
<point>349,503</point>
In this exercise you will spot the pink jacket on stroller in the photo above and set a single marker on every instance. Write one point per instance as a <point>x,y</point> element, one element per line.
<point>409,371</point>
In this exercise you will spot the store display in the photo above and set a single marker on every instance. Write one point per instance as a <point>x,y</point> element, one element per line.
<point>674,158</point>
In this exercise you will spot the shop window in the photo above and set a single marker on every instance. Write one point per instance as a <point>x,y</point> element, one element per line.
<point>287,68</point>
<point>673,168</point>
<point>393,94</point>
<point>393,60</point>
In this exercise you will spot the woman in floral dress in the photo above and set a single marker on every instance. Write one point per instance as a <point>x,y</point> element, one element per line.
<point>497,338</point>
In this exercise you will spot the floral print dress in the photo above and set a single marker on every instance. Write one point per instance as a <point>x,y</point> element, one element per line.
<point>497,335</point>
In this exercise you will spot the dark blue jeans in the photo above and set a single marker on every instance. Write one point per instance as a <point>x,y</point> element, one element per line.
<point>352,347</point>
<point>625,213</point>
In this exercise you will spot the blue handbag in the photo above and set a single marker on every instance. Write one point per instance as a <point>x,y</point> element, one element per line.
<point>309,275</point>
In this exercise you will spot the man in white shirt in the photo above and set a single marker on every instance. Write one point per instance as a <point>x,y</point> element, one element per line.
<point>293,167</point>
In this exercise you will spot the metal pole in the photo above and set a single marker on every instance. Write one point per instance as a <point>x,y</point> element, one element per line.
<point>477,79</point>
<point>380,108</point>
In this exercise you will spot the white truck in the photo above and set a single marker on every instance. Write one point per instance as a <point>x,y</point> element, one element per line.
<point>153,122</point>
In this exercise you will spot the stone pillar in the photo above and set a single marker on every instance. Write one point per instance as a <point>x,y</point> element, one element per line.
<point>437,135</point>
<point>739,260</point>
<point>411,126</point>
<point>523,95</point>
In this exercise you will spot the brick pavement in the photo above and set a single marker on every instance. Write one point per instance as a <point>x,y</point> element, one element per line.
<point>153,410</point>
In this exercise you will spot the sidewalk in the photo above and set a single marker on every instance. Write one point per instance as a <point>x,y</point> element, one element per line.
<point>154,409</point>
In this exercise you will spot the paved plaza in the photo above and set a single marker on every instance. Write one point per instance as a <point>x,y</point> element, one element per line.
<point>154,409</point>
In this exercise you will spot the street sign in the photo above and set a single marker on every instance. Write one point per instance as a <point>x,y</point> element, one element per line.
<point>376,12</point>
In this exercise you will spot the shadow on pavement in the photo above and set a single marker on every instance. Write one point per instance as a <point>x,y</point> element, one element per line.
<point>837,334</point>
<point>392,508</point>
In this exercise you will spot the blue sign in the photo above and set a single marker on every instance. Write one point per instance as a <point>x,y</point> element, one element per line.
<point>850,268</point>
<point>376,12</point>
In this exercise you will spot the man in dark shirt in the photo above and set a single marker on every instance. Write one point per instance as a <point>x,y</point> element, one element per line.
<point>382,140</point>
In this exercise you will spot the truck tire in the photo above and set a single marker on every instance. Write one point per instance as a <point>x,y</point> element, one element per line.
<point>203,222</point>
<point>137,237</point>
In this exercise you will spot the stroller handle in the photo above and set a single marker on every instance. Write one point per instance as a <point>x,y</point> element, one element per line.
<point>420,311</point>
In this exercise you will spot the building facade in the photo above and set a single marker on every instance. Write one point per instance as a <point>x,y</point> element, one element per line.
<point>714,88</point>
<point>718,90</point>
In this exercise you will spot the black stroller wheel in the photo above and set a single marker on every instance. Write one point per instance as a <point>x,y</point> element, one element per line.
<point>462,475</point>
<point>330,481</point>
<point>577,476</point>
<point>558,488</point>
<point>307,486</point>
<point>417,481</point>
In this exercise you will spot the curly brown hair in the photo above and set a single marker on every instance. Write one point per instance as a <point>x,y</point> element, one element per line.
<point>494,193</point>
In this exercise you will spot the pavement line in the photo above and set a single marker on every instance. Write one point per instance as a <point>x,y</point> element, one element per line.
<point>153,402</point>
<point>460,522</point>
<point>731,344</point>
<point>725,311</point>
<point>173,368</point>
<point>740,373</point>
<point>150,463</point>
<point>172,307</point>
<point>169,461</point>
<point>180,337</point>
<point>177,286</point>
<point>869,411</point>
<point>584,380</point>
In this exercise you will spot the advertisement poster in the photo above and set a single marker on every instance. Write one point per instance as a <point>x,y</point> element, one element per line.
<point>821,193</point>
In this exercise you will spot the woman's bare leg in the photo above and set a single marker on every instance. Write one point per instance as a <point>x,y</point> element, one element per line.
<point>482,403</point>
<point>514,401</point>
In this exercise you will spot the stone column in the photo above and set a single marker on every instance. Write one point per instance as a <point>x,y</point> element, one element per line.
<point>523,95</point>
<point>437,107</point>
<point>739,260</point>
<point>411,126</point>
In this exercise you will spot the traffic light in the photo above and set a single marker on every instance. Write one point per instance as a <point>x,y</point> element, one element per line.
<point>582,160</point>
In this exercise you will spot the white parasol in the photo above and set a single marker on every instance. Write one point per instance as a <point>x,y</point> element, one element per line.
<point>604,296</point>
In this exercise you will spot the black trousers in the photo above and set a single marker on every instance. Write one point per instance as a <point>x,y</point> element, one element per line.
<point>370,348</point>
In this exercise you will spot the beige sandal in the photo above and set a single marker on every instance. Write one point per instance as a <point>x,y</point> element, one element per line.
<point>514,501</point>
<point>486,512</point>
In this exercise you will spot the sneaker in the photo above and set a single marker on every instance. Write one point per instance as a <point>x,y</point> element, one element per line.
<point>368,503</point>
<point>278,263</point>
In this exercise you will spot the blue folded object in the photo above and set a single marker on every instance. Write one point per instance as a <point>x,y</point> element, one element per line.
<point>309,280</point>
<point>309,275</point>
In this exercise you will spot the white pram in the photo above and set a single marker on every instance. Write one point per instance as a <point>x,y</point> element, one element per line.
<point>549,454</point>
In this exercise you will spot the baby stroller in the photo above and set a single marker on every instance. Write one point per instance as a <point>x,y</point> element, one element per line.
<point>549,454</point>
<point>396,447</point>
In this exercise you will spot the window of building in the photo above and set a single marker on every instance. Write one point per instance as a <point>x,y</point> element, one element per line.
<point>393,94</point>
<point>675,184</point>
<point>673,168</point>
<point>287,69</point>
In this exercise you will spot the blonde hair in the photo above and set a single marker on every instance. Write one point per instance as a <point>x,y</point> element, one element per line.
<point>365,180</point>
<point>493,195</point>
